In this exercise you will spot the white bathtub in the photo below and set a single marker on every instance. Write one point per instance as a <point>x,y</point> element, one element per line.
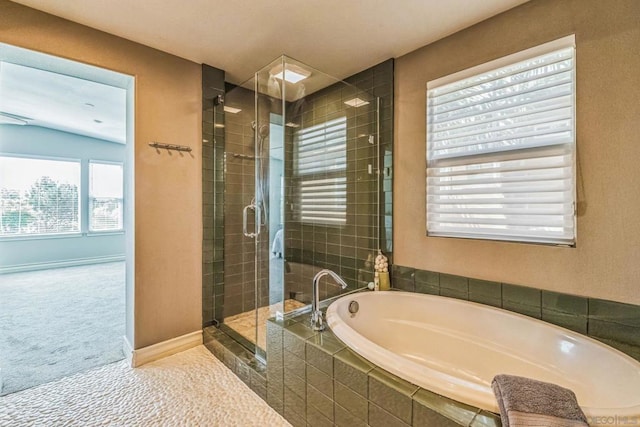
<point>454,348</point>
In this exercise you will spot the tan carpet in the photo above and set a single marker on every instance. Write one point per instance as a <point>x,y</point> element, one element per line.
<point>58,322</point>
<point>191,388</point>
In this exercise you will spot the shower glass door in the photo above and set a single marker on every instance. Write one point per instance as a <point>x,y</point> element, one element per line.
<point>301,193</point>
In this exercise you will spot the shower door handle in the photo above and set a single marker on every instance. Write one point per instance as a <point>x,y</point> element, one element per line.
<point>245,218</point>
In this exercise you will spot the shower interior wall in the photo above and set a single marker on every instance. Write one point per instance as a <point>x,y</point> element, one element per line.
<point>348,250</point>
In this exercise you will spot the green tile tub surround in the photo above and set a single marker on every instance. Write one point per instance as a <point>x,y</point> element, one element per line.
<point>295,336</point>
<point>320,349</point>
<point>378,417</point>
<point>321,381</point>
<point>430,409</point>
<point>316,419</point>
<point>485,292</point>
<point>403,278</point>
<point>295,364</point>
<point>392,393</point>
<point>356,393</point>
<point>427,282</point>
<point>352,402</point>
<point>345,418</point>
<point>352,371</point>
<point>523,300</point>
<point>613,323</point>
<point>568,311</point>
<point>454,286</point>
<point>295,382</point>
<point>320,402</point>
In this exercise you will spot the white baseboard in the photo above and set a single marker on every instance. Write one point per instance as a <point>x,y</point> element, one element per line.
<point>148,354</point>
<point>59,264</point>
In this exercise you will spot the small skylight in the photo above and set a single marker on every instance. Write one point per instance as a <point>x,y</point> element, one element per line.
<point>292,73</point>
<point>356,102</point>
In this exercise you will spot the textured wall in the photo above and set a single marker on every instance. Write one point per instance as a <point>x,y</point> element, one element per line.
<point>605,262</point>
<point>168,196</point>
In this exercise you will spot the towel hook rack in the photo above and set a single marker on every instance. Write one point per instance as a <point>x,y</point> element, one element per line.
<point>159,145</point>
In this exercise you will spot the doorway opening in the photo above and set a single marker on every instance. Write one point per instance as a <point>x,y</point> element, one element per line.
<point>66,217</point>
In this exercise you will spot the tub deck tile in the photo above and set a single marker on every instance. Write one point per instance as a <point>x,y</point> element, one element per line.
<point>295,336</point>
<point>327,342</point>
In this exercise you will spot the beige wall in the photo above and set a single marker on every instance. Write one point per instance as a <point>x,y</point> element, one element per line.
<point>168,189</point>
<point>606,261</point>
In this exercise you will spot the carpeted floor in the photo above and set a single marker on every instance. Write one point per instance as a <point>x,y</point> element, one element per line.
<point>58,322</point>
<point>191,388</point>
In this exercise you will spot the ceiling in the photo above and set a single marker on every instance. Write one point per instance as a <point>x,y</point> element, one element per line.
<point>29,96</point>
<point>338,37</point>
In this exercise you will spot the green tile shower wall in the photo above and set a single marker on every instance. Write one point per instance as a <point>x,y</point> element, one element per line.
<point>346,249</point>
<point>613,323</point>
<point>212,195</point>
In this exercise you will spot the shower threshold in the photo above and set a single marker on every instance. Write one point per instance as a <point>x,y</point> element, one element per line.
<point>244,324</point>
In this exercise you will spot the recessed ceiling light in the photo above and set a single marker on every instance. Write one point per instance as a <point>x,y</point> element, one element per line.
<point>232,110</point>
<point>292,125</point>
<point>356,102</point>
<point>291,73</point>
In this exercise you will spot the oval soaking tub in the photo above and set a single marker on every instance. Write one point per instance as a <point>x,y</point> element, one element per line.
<point>454,348</point>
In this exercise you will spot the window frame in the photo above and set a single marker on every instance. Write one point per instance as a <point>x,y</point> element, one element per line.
<point>509,60</point>
<point>90,231</point>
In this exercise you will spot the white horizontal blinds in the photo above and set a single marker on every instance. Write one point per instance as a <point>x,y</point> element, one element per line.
<point>320,169</point>
<point>500,151</point>
<point>39,196</point>
<point>105,197</point>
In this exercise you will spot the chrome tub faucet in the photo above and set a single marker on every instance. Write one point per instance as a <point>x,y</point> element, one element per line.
<point>317,320</point>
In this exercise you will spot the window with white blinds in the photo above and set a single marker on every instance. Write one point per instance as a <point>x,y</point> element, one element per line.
<point>105,196</point>
<point>320,167</point>
<point>501,149</point>
<point>39,196</point>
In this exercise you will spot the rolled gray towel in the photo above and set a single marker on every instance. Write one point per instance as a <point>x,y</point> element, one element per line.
<point>525,402</point>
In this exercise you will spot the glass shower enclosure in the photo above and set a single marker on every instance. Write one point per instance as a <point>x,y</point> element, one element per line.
<point>301,193</point>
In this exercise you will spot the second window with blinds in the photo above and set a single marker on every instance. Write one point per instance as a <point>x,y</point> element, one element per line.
<point>105,196</point>
<point>320,170</point>
<point>501,149</point>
